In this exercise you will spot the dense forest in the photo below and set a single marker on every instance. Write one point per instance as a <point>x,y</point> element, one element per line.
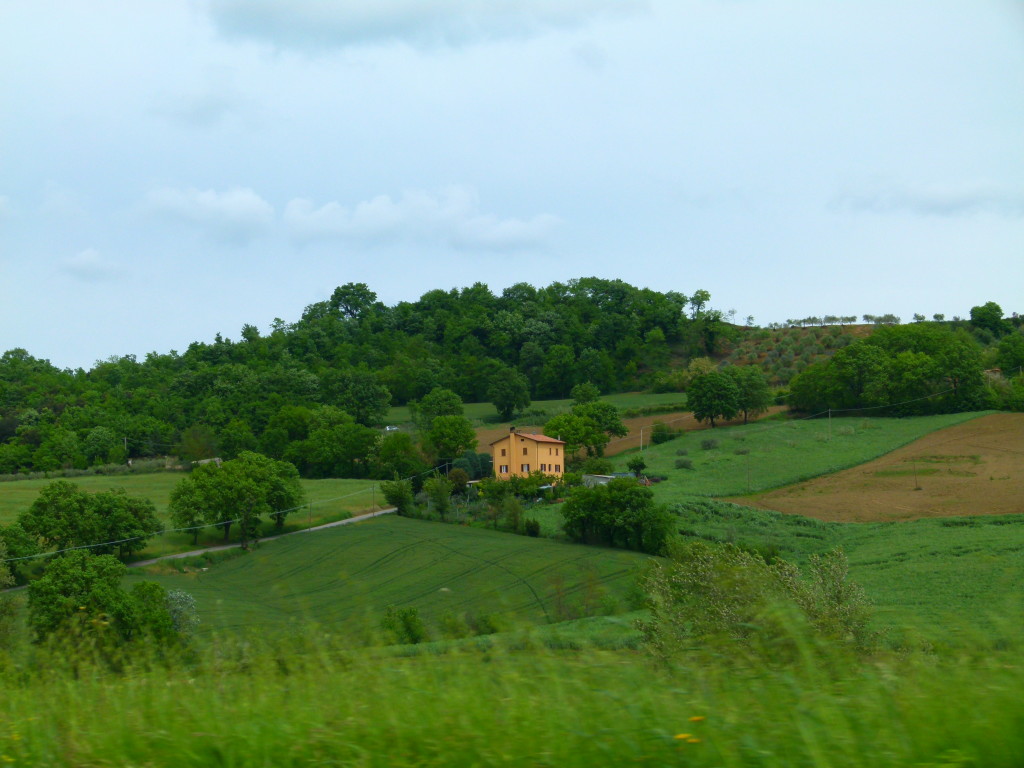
<point>314,391</point>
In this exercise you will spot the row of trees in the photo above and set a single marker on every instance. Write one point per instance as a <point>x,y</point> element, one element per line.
<point>913,369</point>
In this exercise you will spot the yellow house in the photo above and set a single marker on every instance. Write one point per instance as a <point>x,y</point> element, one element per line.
<point>520,453</point>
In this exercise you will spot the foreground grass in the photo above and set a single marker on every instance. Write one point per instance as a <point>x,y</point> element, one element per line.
<point>770,454</point>
<point>307,703</point>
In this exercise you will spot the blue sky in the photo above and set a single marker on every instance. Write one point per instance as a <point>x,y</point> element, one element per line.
<point>170,170</point>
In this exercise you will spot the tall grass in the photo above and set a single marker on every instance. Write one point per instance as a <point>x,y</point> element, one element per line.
<point>311,702</point>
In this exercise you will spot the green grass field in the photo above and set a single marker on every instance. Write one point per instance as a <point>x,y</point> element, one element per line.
<point>770,454</point>
<point>347,574</point>
<point>328,500</point>
<point>329,497</point>
<point>481,413</point>
<point>925,574</point>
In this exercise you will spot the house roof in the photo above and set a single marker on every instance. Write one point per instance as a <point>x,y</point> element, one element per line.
<point>530,436</point>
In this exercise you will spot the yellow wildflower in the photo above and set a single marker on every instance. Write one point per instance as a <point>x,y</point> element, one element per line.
<point>684,736</point>
<point>693,740</point>
<point>698,718</point>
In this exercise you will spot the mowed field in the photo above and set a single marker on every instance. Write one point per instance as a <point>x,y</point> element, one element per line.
<point>349,576</point>
<point>974,468</point>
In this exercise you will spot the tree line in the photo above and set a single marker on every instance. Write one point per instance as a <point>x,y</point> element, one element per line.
<point>338,368</point>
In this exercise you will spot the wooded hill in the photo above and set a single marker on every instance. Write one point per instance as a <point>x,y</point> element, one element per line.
<point>339,367</point>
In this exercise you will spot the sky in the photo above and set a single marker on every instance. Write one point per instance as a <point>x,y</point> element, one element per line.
<point>174,169</point>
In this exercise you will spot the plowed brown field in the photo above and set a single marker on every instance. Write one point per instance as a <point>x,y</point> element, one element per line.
<point>976,468</point>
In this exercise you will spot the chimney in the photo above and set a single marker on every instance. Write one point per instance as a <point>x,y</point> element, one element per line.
<point>512,430</point>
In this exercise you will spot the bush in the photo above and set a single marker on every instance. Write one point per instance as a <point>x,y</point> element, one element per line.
<point>404,625</point>
<point>741,451</point>
<point>662,433</point>
<point>709,444</point>
<point>682,452</point>
<point>684,464</point>
<point>723,595</point>
<point>532,527</point>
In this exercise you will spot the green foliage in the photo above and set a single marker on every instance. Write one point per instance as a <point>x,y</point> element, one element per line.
<point>241,490</point>
<point>713,395</point>
<point>589,425</point>
<point>989,316</point>
<point>662,433</point>
<point>64,516</point>
<point>396,454</point>
<point>752,394</point>
<point>509,390</point>
<point>636,464</point>
<point>1010,357</point>
<point>720,594</point>
<point>584,393</point>
<point>80,595</point>
<point>404,625</point>
<point>438,402</point>
<point>450,436</point>
<point>617,514</point>
<point>398,494</point>
<point>916,369</point>
<point>439,492</point>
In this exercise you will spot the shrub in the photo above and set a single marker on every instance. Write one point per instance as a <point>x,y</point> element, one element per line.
<point>398,493</point>
<point>741,451</point>
<point>684,464</point>
<point>709,444</point>
<point>662,433</point>
<point>532,527</point>
<point>404,625</point>
<point>723,595</point>
<point>682,452</point>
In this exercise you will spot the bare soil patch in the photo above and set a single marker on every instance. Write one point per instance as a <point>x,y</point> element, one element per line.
<point>975,468</point>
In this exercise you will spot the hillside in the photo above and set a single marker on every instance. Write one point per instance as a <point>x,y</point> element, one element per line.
<point>346,577</point>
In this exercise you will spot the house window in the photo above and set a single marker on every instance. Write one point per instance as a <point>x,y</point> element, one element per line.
<point>543,467</point>
<point>525,468</point>
<point>525,451</point>
<point>502,451</point>
<point>503,469</point>
<point>556,451</point>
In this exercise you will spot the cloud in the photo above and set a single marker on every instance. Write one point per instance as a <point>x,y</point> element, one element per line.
<point>944,201</point>
<point>88,265</point>
<point>319,25</point>
<point>208,105</point>
<point>236,216</point>
<point>450,217</point>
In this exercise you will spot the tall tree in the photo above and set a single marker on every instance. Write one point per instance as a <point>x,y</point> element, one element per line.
<point>240,490</point>
<point>509,390</point>
<point>713,396</point>
<point>753,395</point>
